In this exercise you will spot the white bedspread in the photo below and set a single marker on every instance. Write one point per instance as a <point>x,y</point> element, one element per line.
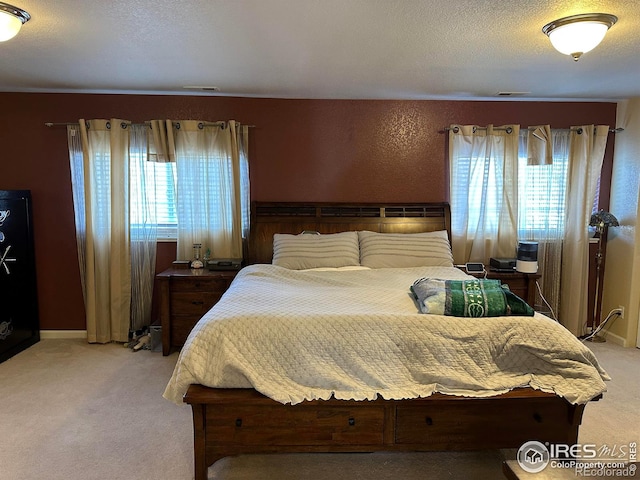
<point>297,336</point>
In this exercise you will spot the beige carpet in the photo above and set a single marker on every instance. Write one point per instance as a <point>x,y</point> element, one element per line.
<point>75,411</point>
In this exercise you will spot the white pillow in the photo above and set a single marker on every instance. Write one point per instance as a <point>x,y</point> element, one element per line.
<point>401,250</point>
<point>301,252</point>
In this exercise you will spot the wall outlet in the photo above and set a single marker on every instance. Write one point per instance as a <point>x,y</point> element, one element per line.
<point>621,308</point>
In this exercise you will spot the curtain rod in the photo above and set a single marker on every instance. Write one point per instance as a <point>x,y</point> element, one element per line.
<point>64,124</point>
<point>611,130</point>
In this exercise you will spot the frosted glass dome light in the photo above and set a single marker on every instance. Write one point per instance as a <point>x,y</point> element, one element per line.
<point>578,34</point>
<point>11,20</point>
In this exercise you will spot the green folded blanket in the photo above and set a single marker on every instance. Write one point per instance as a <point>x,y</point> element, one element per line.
<point>468,298</point>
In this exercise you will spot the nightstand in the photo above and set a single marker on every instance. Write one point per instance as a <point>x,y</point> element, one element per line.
<point>522,284</point>
<point>185,296</point>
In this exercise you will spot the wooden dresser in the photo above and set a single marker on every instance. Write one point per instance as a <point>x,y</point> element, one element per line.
<point>185,296</point>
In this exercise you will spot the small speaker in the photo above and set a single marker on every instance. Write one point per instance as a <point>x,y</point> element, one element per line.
<point>527,258</point>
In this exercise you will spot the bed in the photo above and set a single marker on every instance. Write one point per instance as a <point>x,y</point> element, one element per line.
<point>320,354</point>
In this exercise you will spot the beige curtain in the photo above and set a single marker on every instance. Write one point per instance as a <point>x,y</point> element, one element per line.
<point>162,146</point>
<point>586,152</point>
<point>484,191</point>
<point>107,266</point>
<point>245,189</point>
<point>209,193</point>
<point>76,165</point>
<point>143,232</point>
<point>539,145</point>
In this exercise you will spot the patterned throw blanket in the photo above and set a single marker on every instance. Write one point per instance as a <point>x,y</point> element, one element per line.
<point>468,298</point>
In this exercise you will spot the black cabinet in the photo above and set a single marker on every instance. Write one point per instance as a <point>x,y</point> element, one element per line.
<point>19,326</point>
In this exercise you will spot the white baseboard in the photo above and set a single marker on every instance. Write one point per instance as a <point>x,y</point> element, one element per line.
<point>617,339</point>
<point>44,334</point>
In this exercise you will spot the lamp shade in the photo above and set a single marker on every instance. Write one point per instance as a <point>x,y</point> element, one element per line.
<point>603,219</point>
<point>11,20</point>
<point>580,33</point>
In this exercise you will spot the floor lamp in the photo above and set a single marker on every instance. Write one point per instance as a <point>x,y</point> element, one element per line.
<point>601,221</point>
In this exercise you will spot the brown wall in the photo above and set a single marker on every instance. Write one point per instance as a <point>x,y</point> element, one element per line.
<point>314,150</point>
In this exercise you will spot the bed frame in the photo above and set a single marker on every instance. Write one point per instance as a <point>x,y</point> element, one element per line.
<point>241,421</point>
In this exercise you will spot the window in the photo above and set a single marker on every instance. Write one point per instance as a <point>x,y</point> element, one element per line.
<point>477,178</point>
<point>542,190</point>
<point>478,199</point>
<point>161,188</point>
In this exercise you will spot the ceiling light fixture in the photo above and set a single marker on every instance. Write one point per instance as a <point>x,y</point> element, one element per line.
<point>11,20</point>
<point>579,34</point>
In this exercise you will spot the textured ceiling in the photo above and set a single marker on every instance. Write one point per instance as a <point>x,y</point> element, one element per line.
<point>374,49</point>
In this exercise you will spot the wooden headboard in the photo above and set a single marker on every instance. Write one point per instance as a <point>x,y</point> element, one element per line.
<point>268,218</point>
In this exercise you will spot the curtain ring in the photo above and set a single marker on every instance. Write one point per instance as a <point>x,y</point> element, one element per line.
<point>455,129</point>
<point>509,130</point>
<point>222,126</point>
<point>108,125</point>
<point>87,124</point>
<point>177,124</point>
<point>200,125</point>
<point>579,131</point>
<point>475,129</point>
<point>123,125</point>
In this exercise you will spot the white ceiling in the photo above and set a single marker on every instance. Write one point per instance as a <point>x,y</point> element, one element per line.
<point>346,49</point>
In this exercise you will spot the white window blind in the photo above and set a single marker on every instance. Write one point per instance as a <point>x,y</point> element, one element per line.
<point>475,177</point>
<point>161,184</point>
<point>542,190</point>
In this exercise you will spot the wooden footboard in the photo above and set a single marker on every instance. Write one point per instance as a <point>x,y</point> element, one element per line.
<point>235,421</point>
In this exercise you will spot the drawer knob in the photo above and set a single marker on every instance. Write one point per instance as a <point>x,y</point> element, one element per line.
<point>428,421</point>
<point>352,421</point>
<point>238,422</point>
